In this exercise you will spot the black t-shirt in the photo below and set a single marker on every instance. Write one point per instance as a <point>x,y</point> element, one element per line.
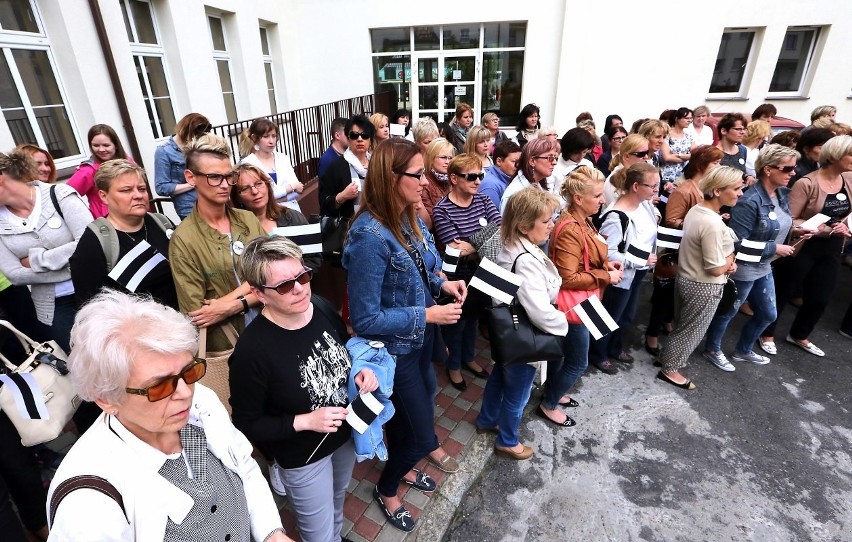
<point>89,265</point>
<point>277,373</point>
<point>836,206</point>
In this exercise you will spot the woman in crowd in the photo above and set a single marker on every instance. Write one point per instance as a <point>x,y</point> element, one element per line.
<point>527,223</point>
<point>437,160</point>
<point>761,215</point>
<point>165,446</point>
<point>170,163</point>
<point>638,186</point>
<point>258,146</point>
<point>105,145</point>
<point>458,216</point>
<point>403,117</point>
<point>611,122</point>
<point>574,146</point>
<point>633,150</point>
<point>340,186</point>
<point>295,406</point>
<point>121,184</point>
<point>788,138</point>
<point>491,121</point>
<point>678,146</point>
<point>597,149</point>
<point>700,132</point>
<point>616,136</point>
<point>252,193</point>
<point>393,279</point>
<point>44,162</point>
<point>535,166</point>
<point>706,256</point>
<point>380,123</point>
<point>809,147</point>
<point>816,265</point>
<point>528,124</point>
<point>573,243</point>
<point>424,131</point>
<point>756,136</point>
<point>478,143</point>
<point>460,126</point>
<point>655,131</point>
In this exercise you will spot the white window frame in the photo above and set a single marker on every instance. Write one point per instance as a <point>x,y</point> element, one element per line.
<point>804,82</point>
<point>748,70</point>
<point>16,39</point>
<point>138,49</point>
<point>223,56</point>
<point>267,61</point>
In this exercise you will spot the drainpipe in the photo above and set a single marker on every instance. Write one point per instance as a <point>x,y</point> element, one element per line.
<point>103,38</point>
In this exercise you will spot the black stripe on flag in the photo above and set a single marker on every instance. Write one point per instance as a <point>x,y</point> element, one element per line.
<point>751,251</point>
<point>638,255</point>
<point>363,410</point>
<point>493,280</point>
<point>308,237</point>
<point>137,264</point>
<point>451,260</point>
<point>595,317</point>
<point>26,395</point>
<point>669,237</point>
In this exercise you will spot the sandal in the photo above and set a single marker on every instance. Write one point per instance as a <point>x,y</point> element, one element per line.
<point>421,482</point>
<point>810,348</point>
<point>768,346</point>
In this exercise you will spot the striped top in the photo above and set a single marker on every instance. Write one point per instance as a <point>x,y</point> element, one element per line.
<point>450,221</point>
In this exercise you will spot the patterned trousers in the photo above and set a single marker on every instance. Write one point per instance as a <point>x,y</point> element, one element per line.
<point>695,305</point>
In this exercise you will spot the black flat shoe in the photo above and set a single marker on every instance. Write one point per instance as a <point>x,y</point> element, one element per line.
<point>688,385</point>
<point>461,386</point>
<point>399,518</point>
<point>567,423</point>
<point>570,404</point>
<point>652,350</point>
<point>421,482</point>
<point>482,373</point>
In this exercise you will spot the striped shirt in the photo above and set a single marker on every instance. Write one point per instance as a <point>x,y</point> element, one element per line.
<point>451,221</point>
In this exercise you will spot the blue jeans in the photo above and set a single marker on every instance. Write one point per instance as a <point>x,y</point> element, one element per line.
<point>411,431</point>
<point>460,339</point>
<point>621,304</point>
<point>506,394</point>
<point>563,373</point>
<point>64,311</point>
<point>761,296</point>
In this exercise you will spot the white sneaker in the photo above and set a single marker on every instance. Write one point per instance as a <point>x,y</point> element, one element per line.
<point>719,360</point>
<point>275,480</point>
<point>750,357</point>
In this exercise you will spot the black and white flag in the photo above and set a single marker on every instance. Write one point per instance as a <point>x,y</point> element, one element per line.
<point>669,237</point>
<point>28,395</point>
<point>362,411</point>
<point>638,254</point>
<point>308,237</point>
<point>751,251</point>
<point>595,317</point>
<point>493,280</point>
<point>451,260</point>
<point>137,264</point>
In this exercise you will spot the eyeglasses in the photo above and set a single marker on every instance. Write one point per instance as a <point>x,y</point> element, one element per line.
<point>652,186</point>
<point>472,177</point>
<point>785,169</point>
<point>286,286</point>
<point>738,129</point>
<point>618,138</point>
<point>639,154</point>
<point>417,176</point>
<point>161,389</point>
<point>358,135</point>
<point>548,157</point>
<point>254,186</point>
<point>215,179</point>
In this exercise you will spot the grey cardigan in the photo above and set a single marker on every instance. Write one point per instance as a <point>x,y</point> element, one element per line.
<point>48,248</point>
<point>538,292</point>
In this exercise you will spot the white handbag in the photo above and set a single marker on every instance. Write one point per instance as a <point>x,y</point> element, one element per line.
<point>37,394</point>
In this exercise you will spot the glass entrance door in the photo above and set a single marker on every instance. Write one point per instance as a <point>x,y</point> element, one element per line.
<point>442,80</point>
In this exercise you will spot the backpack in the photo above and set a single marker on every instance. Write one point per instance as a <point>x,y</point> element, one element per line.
<point>599,219</point>
<point>106,234</point>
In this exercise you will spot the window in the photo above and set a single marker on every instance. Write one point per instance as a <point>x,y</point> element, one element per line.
<point>732,61</point>
<point>149,60</point>
<point>223,65</point>
<point>32,100</point>
<point>794,60</point>
<point>267,67</point>
<point>430,69</point>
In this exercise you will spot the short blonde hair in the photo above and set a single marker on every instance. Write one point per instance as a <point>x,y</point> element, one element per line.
<point>701,110</point>
<point>772,155</point>
<point>823,111</point>
<point>522,210</point>
<point>488,117</point>
<point>757,130</point>
<point>719,178</point>
<point>579,182</point>
<point>477,135</point>
<point>434,149</point>
<point>262,251</point>
<point>466,160</point>
<point>650,127</point>
<point>19,165</point>
<point>112,169</point>
<point>207,144</point>
<point>835,149</point>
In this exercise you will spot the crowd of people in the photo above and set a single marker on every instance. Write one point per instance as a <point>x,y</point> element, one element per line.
<point>720,215</point>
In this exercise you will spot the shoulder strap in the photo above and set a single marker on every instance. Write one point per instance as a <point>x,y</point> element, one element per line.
<point>107,236</point>
<point>163,222</point>
<point>582,234</point>
<point>625,222</point>
<point>84,481</point>
<point>324,307</point>
<point>55,201</point>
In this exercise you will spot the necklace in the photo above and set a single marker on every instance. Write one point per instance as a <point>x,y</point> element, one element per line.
<point>144,231</point>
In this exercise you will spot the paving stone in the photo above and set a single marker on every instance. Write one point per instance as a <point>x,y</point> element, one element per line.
<point>463,432</point>
<point>390,534</point>
<point>446,423</point>
<point>462,403</point>
<point>367,528</point>
<point>417,498</point>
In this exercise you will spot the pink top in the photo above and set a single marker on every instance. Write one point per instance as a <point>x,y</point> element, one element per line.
<point>83,181</point>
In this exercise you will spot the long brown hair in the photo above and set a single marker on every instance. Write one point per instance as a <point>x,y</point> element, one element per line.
<point>273,210</point>
<point>380,197</point>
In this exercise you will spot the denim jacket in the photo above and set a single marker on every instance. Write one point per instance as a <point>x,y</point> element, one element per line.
<point>169,165</point>
<point>368,354</point>
<point>750,220</point>
<point>387,298</point>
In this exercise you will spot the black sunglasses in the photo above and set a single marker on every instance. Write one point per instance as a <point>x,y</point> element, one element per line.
<point>161,389</point>
<point>356,135</point>
<point>785,169</point>
<point>470,176</point>
<point>639,154</point>
<point>286,286</point>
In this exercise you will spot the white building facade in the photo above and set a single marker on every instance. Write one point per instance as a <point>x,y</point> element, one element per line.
<point>239,59</point>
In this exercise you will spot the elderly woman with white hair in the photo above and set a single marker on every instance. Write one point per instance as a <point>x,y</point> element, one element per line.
<point>163,461</point>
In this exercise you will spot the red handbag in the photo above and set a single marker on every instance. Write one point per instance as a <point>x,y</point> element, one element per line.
<point>568,299</point>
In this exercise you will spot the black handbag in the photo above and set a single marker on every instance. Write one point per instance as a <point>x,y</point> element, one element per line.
<point>729,296</point>
<point>514,339</point>
<point>333,231</point>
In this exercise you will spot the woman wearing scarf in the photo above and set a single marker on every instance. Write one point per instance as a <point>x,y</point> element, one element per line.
<point>460,126</point>
<point>340,186</point>
<point>438,155</point>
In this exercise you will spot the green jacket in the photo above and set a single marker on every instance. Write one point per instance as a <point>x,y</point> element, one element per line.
<point>205,265</point>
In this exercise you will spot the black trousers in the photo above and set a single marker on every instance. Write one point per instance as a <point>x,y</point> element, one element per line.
<point>20,473</point>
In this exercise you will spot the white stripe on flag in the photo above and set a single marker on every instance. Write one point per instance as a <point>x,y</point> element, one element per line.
<point>128,259</point>
<point>143,271</point>
<point>751,251</point>
<point>302,235</point>
<point>593,304</point>
<point>481,279</point>
<point>34,391</point>
<point>370,401</point>
<point>669,237</point>
<point>452,259</point>
<point>635,257</point>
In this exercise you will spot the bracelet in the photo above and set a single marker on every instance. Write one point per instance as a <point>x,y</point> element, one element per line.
<point>245,304</point>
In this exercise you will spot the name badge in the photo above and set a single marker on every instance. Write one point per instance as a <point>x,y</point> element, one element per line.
<point>483,222</point>
<point>54,222</point>
<point>238,247</point>
<point>169,233</point>
<point>841,197</point>
<point>741,161</point>
<point>773,215</point>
